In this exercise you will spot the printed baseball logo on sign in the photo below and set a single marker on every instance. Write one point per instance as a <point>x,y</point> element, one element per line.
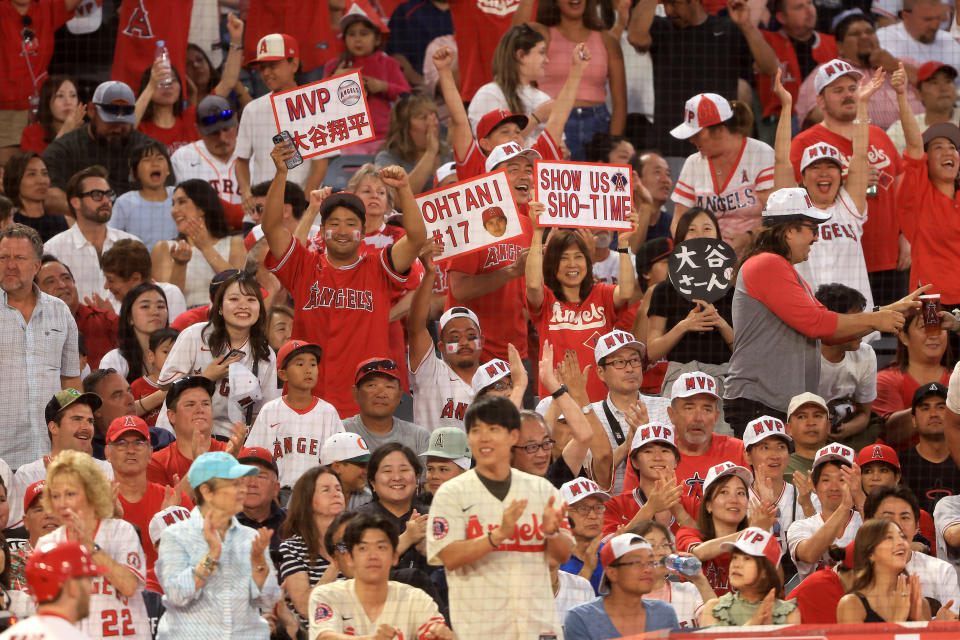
<point>701,269</point>
<point>471,215</point>
<point>584,195</point>
<point>324,116</point>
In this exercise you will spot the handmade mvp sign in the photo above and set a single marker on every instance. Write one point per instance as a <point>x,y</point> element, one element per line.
<point>471,215</point>
<point>324,116</point>
<point>584,195</point>
<point>701,269</point>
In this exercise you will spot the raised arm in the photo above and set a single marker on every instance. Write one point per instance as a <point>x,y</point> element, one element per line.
<point>626,275</point>
<point>764,58</point>
<point>534,269</point>
<point>568,93</point>
<point>277,235</point>
<point>638,28</point>
<point>461,135</point>
<point>230,79</point>
<point>407,248</point>
<point>523,14</point>
<point>783,174</point>
<point>419,337</point>
<point>911,130</point>
<point>858,172</point>
<point>617,77</point>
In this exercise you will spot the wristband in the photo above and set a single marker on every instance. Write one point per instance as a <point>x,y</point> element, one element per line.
<point>534,116</point>
<point>559,392</point>
<point>209,563</point>
<point>236,47</point>
<point>622,250</point>
<point>200,575</point>
<point>490,539</point>
<point>876,309</point>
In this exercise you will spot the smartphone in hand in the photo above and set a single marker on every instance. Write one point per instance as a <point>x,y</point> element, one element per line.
<point>297,159</point>
<point>233,354</point>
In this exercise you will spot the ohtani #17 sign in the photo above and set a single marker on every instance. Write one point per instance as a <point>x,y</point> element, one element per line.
<point>584,195</point>
<point>470,215</point>
<point>324,116</point>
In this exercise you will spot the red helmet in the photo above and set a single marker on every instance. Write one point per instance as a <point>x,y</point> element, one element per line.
<point>53,563</point>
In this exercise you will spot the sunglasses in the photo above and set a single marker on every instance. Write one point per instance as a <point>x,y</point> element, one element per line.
<point>377,365</point>
<point>117,109</point>
<point>223,116</point>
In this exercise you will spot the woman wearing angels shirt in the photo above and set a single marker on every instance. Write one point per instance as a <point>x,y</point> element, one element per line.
<point>236,333</point>
<point>837,255</point>
<point>572,307</point>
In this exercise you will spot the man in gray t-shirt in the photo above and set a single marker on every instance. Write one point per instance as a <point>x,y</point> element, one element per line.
<point>378,391</point>
<point>946,521</point>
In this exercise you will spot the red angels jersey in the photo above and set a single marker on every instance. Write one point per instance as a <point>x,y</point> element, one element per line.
<point>46,17</point>
<point>335,607</point>
<point>692,470</point>
<point>474,164</point>
<point>308,22</point>
<point>111,614</point>
<point>294,436</point>
<point>477,26</point>
<point>142,24</point>
<point>507,593</point>
<point>344,310</point>
<point>622,508</point>
<point>824,49</point>
<point>194,161</point>
<point>141,387</point>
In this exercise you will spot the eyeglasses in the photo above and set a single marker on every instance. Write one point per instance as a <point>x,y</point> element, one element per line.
<point>117,109</point>
<point>340,546</point>
<point>501,385</point>
<point>635,363</point>
<point>127,444</point>
<point>586,509</point>
<point>223,116</point>
<point>546,445</point>
<point>97,194</point>
<point>650,565</point>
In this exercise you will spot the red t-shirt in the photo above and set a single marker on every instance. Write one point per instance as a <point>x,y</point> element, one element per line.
<point>716,570</point>
<point>169,462</point>
<point>881,231</point>
<point>345,310</point>
<point>895,390</point>
<point>823,50</point>
<point>622,508</point>
<point>576,327</point>
<point>928,219</point>
<point>928,531</point>
<point>477,27</point>
<point>500,312</point>
<point>191,316</point>
<point>692,470</point>
<point>99,329</point>
<point>307,22</point>
<point>139,514</point>
<point>46,17</point>
<point>32,139</point>
<point>817,597</point>
<point>183,132</point>
<point>143,23</point>
<point>141,387</point>
<point>474,164</point>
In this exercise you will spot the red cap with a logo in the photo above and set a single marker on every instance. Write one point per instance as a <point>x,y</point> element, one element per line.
<point>493,119</point>
<point>121,425</point>
<point>276,46</point>
<point>33,492</point>
<point>878,453</point>
<point>702,110</point>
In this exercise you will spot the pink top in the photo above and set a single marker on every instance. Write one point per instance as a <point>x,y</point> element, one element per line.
<point>593,85</point>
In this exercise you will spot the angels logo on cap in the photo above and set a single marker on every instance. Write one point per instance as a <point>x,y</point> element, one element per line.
<point>820,151</point>
<point>878,453</point>
<point>702,110</point>
<point>832,70</point>
<point>763,428</point>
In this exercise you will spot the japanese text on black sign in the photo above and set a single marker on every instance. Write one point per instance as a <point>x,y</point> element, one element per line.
<point>584,195</point>
<point>701,268</point>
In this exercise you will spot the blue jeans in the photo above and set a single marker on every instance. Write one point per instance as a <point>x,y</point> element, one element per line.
<point>582,125</point>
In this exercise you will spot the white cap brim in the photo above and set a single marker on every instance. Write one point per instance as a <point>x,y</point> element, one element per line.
<point>684,131</point>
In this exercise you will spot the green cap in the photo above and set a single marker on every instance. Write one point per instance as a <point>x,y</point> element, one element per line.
<point>63,399</point>
<point>450,443</point>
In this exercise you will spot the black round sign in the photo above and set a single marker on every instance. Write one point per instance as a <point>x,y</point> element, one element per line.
<point>701,269</point>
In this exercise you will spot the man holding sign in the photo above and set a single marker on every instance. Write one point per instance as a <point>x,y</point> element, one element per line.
<point>344,297</point>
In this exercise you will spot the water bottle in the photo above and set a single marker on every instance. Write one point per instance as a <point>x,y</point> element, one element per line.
<point>162,58</point>
<point>685,565</point>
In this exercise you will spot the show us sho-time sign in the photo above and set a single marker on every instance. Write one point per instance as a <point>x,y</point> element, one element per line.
<point>584,195</point>
<point>324,116</point>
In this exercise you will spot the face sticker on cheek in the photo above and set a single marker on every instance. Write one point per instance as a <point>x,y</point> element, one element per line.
<point>356,235</point>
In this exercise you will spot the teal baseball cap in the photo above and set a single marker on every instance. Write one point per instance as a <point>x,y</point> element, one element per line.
<point>217,464</point>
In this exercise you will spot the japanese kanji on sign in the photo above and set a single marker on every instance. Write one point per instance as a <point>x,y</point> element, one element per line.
<point>324,116</point>
<point>701,269</point>
<point>584,195</point>
<point>470,215</point>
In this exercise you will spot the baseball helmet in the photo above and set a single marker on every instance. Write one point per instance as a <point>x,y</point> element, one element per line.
<point>53,563</point>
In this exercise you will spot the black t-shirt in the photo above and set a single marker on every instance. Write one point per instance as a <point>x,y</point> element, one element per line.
<point>704,346</point>
<point>76,150</point>
<point>707,58</point>
<point>929,481</point>
<point>411,558</point>
<point>804,51</point>
<point>47,225</point>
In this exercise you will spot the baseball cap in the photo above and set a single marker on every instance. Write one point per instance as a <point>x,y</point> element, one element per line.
<point>258,456</point>
<point>115,102</point>
<point>217,464</point>
<point>946,130</point>
<point>756,542</point>
<point>163,519</point>
<point>493,119</point>
<point>831,71</point>
<point>509,151</point>
<point>488,373</point>
<point>927,69</point>
<point>932,389</point>
<point>342,199</point>
<point>359,10</point>
<point>693,384</point>
<point>652,252</point>
<point>458,312</point>
<point>878,453</point>
<point>450,443</point>
<point>295,347</point>
<point>180,385</point>
<point>123,424</point>
<point>386,366</point>
<point>725,469</point>
<point>702,110</point>
<point>763,428</point>
<point>833,452</point>
<point>344,447</point>
<point>789,205</point>
<point>820,151</point>
<point>66,397</point>
<point>653,432</point>
<point>616,339</point>
<point>53,563</point>
<point>33,492</point>
<point>276,46</point>
<point>443,172</point>
<point>579,488</point>
<point>616,548</point>
<point>806,397</point>
<point>492,212</point>
<point>215,114</point>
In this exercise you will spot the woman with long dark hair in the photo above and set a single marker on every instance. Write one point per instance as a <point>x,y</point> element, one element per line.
<point>413,141</point>
<point>160,112</point>
<point>60,113</point>
<point>203,79</point>
<point>26,182</point>
<point>143,311</point>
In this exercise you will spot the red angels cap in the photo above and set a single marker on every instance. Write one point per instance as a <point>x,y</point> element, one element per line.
<point>702,110</point>
<point>833,452</point>
<point>693,384</point>
<point>493,212</point>
<point>488,373</point>
<point>509,151</point>
<point>820,151</point>
<point>831,71</point>
<point>257,456</point>
<point>121,425</point>
<point>386,366</point>
<point>789,205</point>
<point>927,69</point>
<point>360,10</point>
<point>653,432</point>
<point>493,119</point>
<point>763,428</point>
<point>756,542</point>
<point>579,488</point>
<point>616,548</point>
<point>296,347</point>
<point>616,339</point>
<point>878,453</point>
<point>33,492</point>
<point>276,46</point>
<point>725,469</point>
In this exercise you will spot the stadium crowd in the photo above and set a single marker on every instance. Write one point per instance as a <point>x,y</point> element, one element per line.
<point>546,437</point>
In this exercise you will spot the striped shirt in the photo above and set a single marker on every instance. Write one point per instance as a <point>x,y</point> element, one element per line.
<point>294,558</point>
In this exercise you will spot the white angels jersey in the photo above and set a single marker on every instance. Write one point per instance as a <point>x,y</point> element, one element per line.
<point>190,355</point>
<point>440,396</point>
<point>837,255</point>
<point>335,607</point>
<point>194,161</point>
<point>800,530</point>
<point>788,510</point>
<point>111,614</point>
<point>44,626</point>
<point>294,436</point>
<point>507,593</point>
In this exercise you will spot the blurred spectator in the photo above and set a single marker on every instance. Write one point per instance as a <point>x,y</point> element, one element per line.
<point>818,594</point>
<point>279,326</point>
<point>59,113</point>
<point>938,94</point>
<point>918,34</point>
<point>830,13</point>
<point>654,175</point>
<point>26,182</point>
<point>146,390</point>
<point>125,265</point>
<point>413,140</point>
<point>477,27</point>
<point>145,211</point>
<point>214,157</point>
<point>260,506</point>
<point>347,455</point>
<point>143,311</point>
<point>142,26</point>
<point>928,469</point>
<point>303,22</point>
<point>413,25</point>
<point>204,79</point>
<point>160,109</point>
<point>430,75</point>
<point>609,149</point>
<point>118,401</point>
